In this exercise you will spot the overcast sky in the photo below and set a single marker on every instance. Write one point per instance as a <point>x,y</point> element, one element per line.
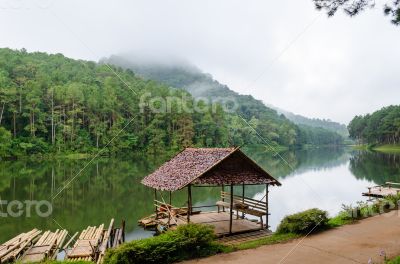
<point>283,52</point>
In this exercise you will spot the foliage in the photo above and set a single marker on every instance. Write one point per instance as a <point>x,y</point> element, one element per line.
<point>245,110</point>
<point>394,261</point>
<point>365,209</point>
<point>380,127</point>
<point>354,7</point>
<point>187,241</point>
<point>54,104</point>
<point>343,218</point>
<point>311,220</point>
<point>5,142</point>
<point>318,136</point>
<point>326,124</point>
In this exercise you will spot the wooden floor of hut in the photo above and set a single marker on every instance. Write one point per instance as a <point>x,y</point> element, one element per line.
<point>220,221</point>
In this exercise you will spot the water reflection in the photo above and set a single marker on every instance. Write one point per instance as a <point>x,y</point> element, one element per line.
<point>107,188</point>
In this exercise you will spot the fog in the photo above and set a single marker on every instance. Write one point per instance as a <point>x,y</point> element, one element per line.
<point>283,52</point>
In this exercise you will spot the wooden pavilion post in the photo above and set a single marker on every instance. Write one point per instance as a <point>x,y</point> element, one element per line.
<point>223,199</point>
<point>189,209</point>
<point>266,205</point>
<point>243,198</point>
<point>231,211</point>
<point>155,199</point>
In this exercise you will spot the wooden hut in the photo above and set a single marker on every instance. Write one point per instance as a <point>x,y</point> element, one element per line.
<point>222,167</point>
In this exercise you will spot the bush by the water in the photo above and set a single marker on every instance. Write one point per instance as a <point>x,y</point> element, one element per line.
<point>187,241</point>
<point>304,222</point>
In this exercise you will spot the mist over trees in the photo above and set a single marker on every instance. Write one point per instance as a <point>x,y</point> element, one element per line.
<point>53,104</point>
<point>380,127</point>
<point>327,124</point>
<point>270,124</point>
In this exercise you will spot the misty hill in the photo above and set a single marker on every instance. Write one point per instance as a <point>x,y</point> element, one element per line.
<point>273,125</point>
<point>54,104</point>
<point>315,122</point>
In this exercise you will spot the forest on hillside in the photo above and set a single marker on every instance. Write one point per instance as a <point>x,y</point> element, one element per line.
<point>53,104</point>
<point>270,123</point>
<point>327,124</point>
<point>380,127</point>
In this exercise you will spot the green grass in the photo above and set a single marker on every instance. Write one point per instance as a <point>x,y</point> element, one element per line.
<point>339,220</point>
<point>394,261</point>
<point>381,148</point>
<point>388,148</point>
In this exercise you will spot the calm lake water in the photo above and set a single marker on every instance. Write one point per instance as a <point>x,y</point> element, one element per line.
<point>110,188</point>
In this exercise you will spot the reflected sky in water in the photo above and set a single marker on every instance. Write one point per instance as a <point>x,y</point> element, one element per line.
<point>110,187</point>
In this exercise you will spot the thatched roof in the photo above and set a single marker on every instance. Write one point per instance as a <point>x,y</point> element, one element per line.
<point>207,166</point>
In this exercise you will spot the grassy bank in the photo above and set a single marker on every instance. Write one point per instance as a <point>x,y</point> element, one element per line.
<point>381,148</point>
<point>388,148</point>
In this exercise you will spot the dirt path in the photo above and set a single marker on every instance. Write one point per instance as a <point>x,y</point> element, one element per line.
<point>355,243</point>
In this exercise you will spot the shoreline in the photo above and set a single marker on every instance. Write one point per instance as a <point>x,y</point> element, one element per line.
<point>387,148</point>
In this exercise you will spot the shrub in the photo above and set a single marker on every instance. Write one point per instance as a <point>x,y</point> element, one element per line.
<point>311,220</point>
<point>343,218</point>
<point>186,242</point>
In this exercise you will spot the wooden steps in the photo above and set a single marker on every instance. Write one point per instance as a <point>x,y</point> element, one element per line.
<point>245,237</point>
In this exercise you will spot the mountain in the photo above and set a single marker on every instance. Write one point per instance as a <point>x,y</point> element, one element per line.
<point>327,124</point>
<point>271,124</point>
<point>53,104</point>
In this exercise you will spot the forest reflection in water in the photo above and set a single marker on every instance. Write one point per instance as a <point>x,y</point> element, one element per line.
<point>111,188</point>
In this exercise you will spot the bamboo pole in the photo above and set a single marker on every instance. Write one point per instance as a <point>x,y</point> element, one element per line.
<point>70,241</point>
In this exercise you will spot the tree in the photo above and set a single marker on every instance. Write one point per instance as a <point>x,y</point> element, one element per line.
<point>354,7</point>
<point>5,142</point>
<point>380,127</point>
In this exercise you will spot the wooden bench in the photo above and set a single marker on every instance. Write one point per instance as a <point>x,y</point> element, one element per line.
<point>244,205</point>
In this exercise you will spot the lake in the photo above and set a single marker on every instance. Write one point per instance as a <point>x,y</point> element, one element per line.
<point>110,187</point>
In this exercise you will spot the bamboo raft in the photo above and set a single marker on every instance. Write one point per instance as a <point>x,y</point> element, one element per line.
<point>47,247</point>
<point>166,216</point>
<point>34,246</point>
<point>12,249</point>
<point>382,191</point>
<point>94,241</point>
<point>86,245</point>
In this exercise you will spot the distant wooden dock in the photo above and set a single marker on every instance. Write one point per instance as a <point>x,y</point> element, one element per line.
<point>382,191</point>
